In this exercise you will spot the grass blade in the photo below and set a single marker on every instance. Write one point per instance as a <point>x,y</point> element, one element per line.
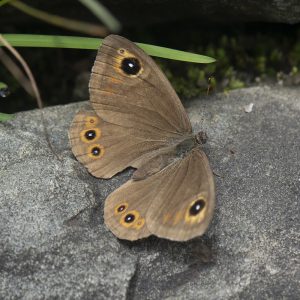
<point>175,54</point>
<point>3,2</point>
<point>56,41</point>
<point>79,26</point>
<point>103,14</point>
<point>5,117</point>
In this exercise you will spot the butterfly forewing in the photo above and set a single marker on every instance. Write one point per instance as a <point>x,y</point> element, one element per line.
<point>106,149</point>
<point>139,96</point>
<point>139,113</point>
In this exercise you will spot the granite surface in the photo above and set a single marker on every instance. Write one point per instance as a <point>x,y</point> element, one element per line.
<point>54,244</point>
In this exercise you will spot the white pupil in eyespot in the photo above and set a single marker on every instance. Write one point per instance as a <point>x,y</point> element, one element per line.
<point>131,65</point>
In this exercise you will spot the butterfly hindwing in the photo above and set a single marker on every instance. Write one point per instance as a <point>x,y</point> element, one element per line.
<point>184,205</point>
<point>176,203</point>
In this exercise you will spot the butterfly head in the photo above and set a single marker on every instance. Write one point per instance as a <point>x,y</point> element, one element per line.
<point>201,138</point>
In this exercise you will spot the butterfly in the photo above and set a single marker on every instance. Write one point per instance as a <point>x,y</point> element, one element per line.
<point>136,120</point>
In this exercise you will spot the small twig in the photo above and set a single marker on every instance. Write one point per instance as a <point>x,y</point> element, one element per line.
<point>209,86</point>
<point>15,70</point>
<point>103,14</point>
<point>208,89</point>
<point>26,69</point>
<point>34,88</point>
<point>216,174</point>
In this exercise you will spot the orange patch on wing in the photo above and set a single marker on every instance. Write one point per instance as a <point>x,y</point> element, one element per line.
<point>139,223</point>
<point>177,217</point>
<point>109,89</point>
<point>115,80</point>
<point>166,218</point>
<point>91,121</point>
<point>122,52</point>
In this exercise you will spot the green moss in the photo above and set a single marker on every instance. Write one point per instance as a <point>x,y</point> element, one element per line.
<point>276,56</point>
<point>260,64</point>
<point>241,59</point>
<point>3,85</point>
<point>294,70</point>
<point>294,55</point>
<point>235,84</point>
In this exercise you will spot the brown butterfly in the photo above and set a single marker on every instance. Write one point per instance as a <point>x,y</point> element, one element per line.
<point>137,120</point>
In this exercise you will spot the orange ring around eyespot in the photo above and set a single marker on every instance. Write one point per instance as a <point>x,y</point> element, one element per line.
<point>91,121</point>
<point>199,217</point>
<point>136,215</point>
<point>85,140</point>
<point>119,205</point>
<point>91,147</point>
<point>139,223</point>
<point>118,61</point>
<point>122,51</point>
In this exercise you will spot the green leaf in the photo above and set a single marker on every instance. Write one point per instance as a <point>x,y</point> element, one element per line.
<point>5,117</point>
<point>3,2</point>
<point>4,91</point>
<point>56,41</point>
<point>3,85</point>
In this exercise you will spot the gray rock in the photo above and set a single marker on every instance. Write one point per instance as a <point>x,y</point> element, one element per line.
<point>146,12</point>
<point>54,243</point>
<point>208,11</point>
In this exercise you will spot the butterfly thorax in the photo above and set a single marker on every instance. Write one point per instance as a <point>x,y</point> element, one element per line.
<point>164,157</point>
<point>190,142</point>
